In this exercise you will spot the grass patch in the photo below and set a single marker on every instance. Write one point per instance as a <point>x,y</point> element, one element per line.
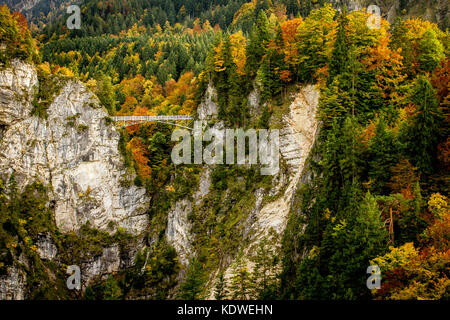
<point>49,88</point>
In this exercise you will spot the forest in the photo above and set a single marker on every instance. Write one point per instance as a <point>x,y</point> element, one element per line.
<point>378,192</point>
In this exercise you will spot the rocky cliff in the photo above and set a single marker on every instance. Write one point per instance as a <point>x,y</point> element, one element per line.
<point>270,207</point>
<point>436,11</point>
<point>74,150</point>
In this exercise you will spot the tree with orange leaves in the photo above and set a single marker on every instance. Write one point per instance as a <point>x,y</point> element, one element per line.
<point>16,37</point>
<point>289,30</point>
<point>388,68</point>
<point>441,82</point>
<point>139,154</point>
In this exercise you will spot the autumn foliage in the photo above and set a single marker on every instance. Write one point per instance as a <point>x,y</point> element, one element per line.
<point>15,37</point>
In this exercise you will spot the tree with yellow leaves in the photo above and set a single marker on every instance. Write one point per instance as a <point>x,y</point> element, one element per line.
<point>238,43</point>
<point>15,37</point>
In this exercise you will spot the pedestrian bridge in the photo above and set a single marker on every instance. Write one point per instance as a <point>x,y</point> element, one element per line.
<point>126,121</point>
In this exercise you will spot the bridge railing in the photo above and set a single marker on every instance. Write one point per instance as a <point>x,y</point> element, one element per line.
<point>151,118</point>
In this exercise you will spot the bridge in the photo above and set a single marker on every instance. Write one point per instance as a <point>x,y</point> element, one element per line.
<point>126,121</point>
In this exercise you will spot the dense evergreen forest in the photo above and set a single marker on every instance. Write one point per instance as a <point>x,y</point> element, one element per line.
<point>378,192</point>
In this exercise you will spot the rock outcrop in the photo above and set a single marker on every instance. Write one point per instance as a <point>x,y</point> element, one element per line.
<point>297,136</point>
<point>178,232</point>
<point>12,285</point>
<point>296,140</point>
<point>208,108</point>
<point>74,150</point>
<point>436,11</point>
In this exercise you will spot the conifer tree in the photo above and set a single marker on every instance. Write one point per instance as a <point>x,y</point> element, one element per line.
<point>221,291</point>
<point>339,57</point>
<point>383,155</point>
<point>422,134</point>
<point>265,273</point>
<point>350,243</point>
<point>240,280</point>
<point>111,290</point>
<point>193,285</point>
<point>257,43</point>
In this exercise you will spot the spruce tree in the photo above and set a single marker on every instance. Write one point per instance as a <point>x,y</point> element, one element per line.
<point>383,155</point>
<point>422,134</point>
<point>265,273</point>
<point>339,57</point>
<point>350,243</point>
<point>193,285</point>
<point>257,43</point>
<point>240,280</point>
<point>221,291</point>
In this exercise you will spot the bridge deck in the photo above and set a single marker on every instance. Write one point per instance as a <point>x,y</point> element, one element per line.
<point>151,118</point>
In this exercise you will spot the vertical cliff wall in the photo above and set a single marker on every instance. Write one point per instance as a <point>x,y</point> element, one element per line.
<point>73,150</point>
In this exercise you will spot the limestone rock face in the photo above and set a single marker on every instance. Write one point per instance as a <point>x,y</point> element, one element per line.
<point>178,232</point>
<point>109,261</point>
<point>74,150</point>
<point>178,229</point>
<point>297,136</point>
<point>208,108</point>
<point>12,285</point>
<point>22,5</point>
<point>436,11</point>
<point>254,99</point>
<point>296,140</point>
<point>17,86</point>
<point>299,132</point>
<point>46,248</point>
<point>204,186</point>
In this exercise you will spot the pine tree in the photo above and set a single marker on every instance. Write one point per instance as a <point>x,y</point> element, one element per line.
<point>383,154</point>
<point>422,134</point>
<point>265,273</point>
<point>193,285</point>
<point>339,57</point>
<point>221,291</point>
<point>240,280</point>
<point>257,43</point>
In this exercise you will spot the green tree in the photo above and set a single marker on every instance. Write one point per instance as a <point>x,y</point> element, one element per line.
<point>339,57</point>
<point>221,291</point>
<point>257,43</point>
<point>313,43</point>
<point>399,40</point>
<point>383,155</point>
<point>422,134</point>
<point>111,290</point>
<point>192,287</point>
<point>269,75</point>
<point>240,281</point>
<point>350,243</point>
<point>264,276</point>
<point>105,92</point>
<point>431,51</point>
